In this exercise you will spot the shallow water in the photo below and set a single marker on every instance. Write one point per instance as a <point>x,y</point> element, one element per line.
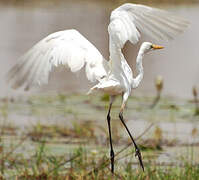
<point>22,27</point>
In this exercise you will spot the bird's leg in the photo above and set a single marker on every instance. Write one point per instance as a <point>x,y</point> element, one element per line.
<point>137,150</point>
<point>110,136</point>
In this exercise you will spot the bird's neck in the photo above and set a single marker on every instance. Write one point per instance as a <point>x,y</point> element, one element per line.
<point>139,68</point>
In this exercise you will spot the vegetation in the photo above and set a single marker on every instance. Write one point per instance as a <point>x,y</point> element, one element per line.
<point>76,146</point>
<point>83,163</point>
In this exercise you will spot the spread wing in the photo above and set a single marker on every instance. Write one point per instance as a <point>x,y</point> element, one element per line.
<point>68,48</point>
<point>129,20</point>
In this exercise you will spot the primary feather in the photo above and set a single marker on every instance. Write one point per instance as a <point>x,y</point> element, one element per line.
<point>68,48</point>
<point>129,20</point>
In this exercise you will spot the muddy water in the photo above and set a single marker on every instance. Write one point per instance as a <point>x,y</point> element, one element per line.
<point>21,27</point>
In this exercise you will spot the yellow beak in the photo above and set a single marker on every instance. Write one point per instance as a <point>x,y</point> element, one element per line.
<point>157,46</point>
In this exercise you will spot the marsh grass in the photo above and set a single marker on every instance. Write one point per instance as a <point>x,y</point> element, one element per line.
<point>81,163</point>
<point>79,149</point>
<point>90,161</point>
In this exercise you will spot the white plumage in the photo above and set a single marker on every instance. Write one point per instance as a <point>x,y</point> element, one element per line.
<point>129,20</point>
<point>114,77</point>
<point>67,48</point>
<point>71,49</point>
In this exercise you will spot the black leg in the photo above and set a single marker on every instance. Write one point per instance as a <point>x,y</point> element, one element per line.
<point>137,150</point>
<point>110,139</point>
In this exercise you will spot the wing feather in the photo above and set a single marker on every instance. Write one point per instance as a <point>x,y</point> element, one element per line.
<point>136,19</point>
<point>67,48</point>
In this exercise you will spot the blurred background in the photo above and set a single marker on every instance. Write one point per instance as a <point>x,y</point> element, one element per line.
<point>25,22</point>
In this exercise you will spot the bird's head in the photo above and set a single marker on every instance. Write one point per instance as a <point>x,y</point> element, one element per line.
<point>147,47</point>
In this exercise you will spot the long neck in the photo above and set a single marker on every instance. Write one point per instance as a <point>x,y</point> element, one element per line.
<point>139,68</point>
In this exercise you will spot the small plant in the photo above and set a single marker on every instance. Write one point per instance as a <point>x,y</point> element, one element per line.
<point>105,98</point>
<point>159,87</point>
<point>194,132</point>
<point>158,138</point>
<point>158,133</point>
<point>195,95</point>
<point>62,97</point>
<point>40,153</point>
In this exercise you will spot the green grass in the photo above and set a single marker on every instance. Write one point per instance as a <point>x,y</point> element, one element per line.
<point>78,147</point>
<point>81,163</point>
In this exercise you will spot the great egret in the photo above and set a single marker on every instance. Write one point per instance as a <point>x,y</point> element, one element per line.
<point>114,77</point>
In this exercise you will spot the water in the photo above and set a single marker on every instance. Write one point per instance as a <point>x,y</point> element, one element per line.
<point>22,27</point>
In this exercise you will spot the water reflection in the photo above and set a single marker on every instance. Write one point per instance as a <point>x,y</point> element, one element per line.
<point>22,27</point>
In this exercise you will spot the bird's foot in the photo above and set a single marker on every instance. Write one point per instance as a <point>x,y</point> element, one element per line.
<point>112,156</point>
<point>138,153</point>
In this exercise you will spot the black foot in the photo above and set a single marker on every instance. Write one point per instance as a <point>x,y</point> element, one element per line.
<point>112,156</point>
<point>138,153</point>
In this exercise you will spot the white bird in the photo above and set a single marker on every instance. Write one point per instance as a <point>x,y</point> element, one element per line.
<point>114,77</point>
